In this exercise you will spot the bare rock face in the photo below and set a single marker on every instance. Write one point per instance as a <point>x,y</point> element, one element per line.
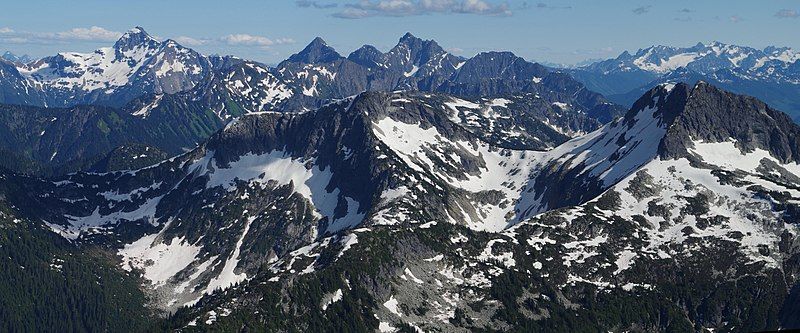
<point>316,51</point>
<point>671,119</point>
<point>713,115</point>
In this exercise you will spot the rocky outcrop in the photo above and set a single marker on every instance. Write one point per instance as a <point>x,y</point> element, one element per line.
<point>710,114</point>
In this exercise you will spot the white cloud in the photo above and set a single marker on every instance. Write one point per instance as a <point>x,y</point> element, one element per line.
<point>102,35</point>
<point>736,19</point>
<point>90,34</point>
<point>315,4</point>
<point>787,13</point>
<point>284,41</point>
<point>15,40</point>
<point>252,40</point>
<point>474,6</point>
<point>368,8</point>
<point>245,39</point>
<point>542,5</point>
<point>352,13</point>
<point>93,33</point>
<point>189,41</point>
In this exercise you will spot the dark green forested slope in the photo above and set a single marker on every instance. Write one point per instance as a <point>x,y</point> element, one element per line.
<point>47,141</point>
<point>48,285</point>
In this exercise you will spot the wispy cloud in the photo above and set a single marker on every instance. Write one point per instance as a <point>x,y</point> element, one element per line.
<point>641,10</point>
<point>81,34</point>
<point>686,11</point>
<point>93,33</point>
<point>602,51</point>
<point>315,4</point>
<point>787,13</point>
<point>190,41</point>
<point>235,40</point>
<point>253,40</point>
<point>352,13</point>
<point>398,8</point>
<point>736,19</point>
<point>542,5</point>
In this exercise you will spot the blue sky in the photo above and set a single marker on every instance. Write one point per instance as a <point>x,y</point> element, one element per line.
<point>269,31</point>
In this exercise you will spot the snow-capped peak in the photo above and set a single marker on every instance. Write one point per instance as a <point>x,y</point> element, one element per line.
<point>707,58</point>
<point>137,64</point>
<point>134,38</point>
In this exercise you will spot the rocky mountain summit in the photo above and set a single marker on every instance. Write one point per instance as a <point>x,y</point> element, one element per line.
<point>136,65</point>
<point>423,65</point>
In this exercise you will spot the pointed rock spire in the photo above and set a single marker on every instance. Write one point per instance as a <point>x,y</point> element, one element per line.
<point>134,38</point>
<point>413,50</point>
<point>367,56</point>
<point>316,52</point>
<point>408,37</point>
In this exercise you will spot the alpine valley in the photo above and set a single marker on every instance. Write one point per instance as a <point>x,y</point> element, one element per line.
<point>146,187</point>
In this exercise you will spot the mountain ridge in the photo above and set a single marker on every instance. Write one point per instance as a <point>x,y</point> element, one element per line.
<point>399,209</point>
<point>229,87</point>
<point>412,64</point>
<point>771,74</point>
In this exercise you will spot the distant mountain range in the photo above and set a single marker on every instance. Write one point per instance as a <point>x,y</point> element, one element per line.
<point>23,59</point>
<point>141,77</point>
<point>771,74</point>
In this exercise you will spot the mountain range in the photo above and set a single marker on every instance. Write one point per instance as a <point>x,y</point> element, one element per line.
<point>23,59</point>
<point>147,188</point>
<point>771,74</point>
<point>142,81</point>
<point>392,209</point>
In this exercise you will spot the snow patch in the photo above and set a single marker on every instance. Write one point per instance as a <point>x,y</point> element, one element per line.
<point>159,261</point>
